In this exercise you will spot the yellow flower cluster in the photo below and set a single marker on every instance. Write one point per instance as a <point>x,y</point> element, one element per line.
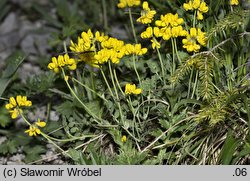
<point>34,130</point>
<point>128,3</point>
<point>147,15</point>
<point>86,46</point>
<point>135,49</point>
<point>112,49</point>
<point>168,26</point>
<point>109,48</point>
<point>234,2</point>
<point>198,5</point>
<point>190,42</point>
<point>15,104</point>
<point>62,61</point>
<point>131,89</point>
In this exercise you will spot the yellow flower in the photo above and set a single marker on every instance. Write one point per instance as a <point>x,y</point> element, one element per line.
<point>139,50</point>
<point>14,113</point>
<point>178,31</point>
<point>195,36</point>
<point>131,89</point>
<point>22,101</point>
<point>203,8</point>
<point>135,49</point>
<point>15,104</point>
<point>234,2</point>
<point>169,26</point>
<point>147,15</point>
<point>155,44</point>
<point>85,42</point>
<point>12,103</point>
<point>196,5</point>
<point>201,37</point>
<point>148,33</point>
<point>166,33</point>
<point>100,36</point>
<point>128,3</point>
<point>33,131</point>
<point>60,62</point>
<point>199,15</point>
<point>54,65</point>
<point>102,56</point>
<point>188,6</point>
<point>157,32</point>
<point>40,123</point>
<point>124,139</point>
<point>169,20</point>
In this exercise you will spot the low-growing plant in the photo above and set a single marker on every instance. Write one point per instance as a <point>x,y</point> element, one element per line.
<point>176,94</point>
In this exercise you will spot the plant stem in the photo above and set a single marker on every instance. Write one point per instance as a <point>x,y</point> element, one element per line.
<point>105,79</point>
<point>86,87</point>
<point>132,24</point>
<point>118,84</point>
<point>117,96</point>
<point>190,82</point>
<point>195,84</point>
<point>176,50</point>
<point>79,100</point>
<point>105,19</point>
<point>136,72</point>
<point>52,142</point>
<point>173,63</point>
<point>162,66</point>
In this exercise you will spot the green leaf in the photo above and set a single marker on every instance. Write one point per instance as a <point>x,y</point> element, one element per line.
<point>4,8</point>
<point>4,117</point>
<point>184,102</point>
<point>153,66</point>
<point>148,84</point>
<point>65,109</point>
<point>13,62</point>
<point>9,146</point>
<point>76,156</point>
<point>228,149</point>
<point>42,82</point>
<point>33,153</point>
<point>94,107</point>
<point>3,84</point>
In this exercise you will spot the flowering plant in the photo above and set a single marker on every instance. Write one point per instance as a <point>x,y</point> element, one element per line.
<point>170,92</point>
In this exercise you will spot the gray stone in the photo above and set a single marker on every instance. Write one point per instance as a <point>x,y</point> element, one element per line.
<point>9,24</point>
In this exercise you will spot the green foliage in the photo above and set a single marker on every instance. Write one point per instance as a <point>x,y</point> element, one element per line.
<point>234,20</point>
<point>33,153</point>
<point>228,149</point>
<point>193,109</point>
<point>41,83</point>
<point>4,117</point>
<point>9,146</point>
<point>13,62</point>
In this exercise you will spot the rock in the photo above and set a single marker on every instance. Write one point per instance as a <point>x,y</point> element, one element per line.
<point>118,32</point>
<point>9,24</point>
<point>2,139</point>
<point>9,36</point>
<point>35,44</point>
<point>27,70</point>
<point>17,159</point>
<point>3,160</point>
<point>54,116</point>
